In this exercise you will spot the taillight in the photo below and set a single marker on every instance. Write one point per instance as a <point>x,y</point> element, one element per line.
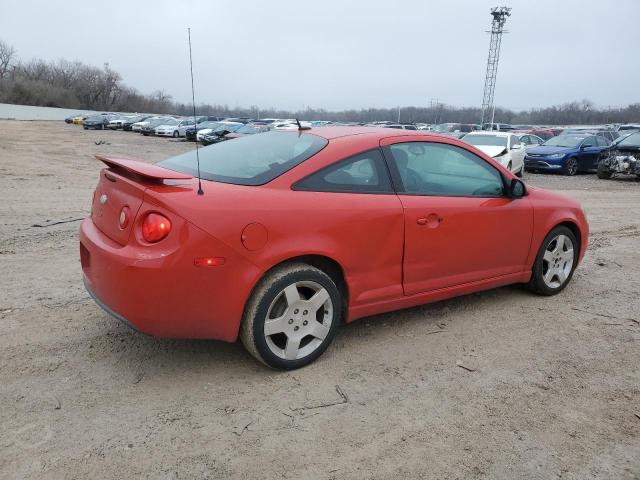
<point>155,227</point>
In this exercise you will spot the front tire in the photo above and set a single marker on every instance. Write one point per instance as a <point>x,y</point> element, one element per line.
<point>291,317</point>
<point>603,171</point>
<point>520,172</point>
<point>176,134</point>
<point>555,262</point>
<point>570,167</point>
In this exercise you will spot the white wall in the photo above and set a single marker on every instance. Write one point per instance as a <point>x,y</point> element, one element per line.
<point>28,112</point>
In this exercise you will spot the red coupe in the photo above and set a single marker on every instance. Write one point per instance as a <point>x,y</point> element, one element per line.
<point>298,231</point>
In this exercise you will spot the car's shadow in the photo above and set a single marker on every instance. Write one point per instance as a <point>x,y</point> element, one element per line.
<point>123,348</point>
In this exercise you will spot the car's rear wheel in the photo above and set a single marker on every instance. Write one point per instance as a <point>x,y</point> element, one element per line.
<point>509,166</point>
<point>571,166</point>
<point>291,317</point>
<point>176,134</point>
<point>555,263</point>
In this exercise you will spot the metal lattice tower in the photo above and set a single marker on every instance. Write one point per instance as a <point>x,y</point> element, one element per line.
<point>499,15</point>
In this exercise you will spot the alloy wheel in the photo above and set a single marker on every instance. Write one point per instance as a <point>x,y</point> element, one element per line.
<point>572,166</point>
<point>557,261</point>
<point>298,320</point>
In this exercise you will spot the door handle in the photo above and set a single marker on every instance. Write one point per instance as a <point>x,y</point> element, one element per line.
<point>432,220</point>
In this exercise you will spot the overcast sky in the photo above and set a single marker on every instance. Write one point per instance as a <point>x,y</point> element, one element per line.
<point>341,54</point>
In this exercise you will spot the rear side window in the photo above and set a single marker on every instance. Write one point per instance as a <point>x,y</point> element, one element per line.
<point>362,173</point>
<point>251,160</point>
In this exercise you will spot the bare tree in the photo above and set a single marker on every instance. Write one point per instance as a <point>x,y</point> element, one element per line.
<point>7,57</point>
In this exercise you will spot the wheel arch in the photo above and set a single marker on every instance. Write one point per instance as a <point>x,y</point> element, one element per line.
<point>575,229</point>
<point>322,262</point>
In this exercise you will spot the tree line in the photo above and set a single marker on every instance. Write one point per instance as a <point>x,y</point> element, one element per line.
<point>76,85</point>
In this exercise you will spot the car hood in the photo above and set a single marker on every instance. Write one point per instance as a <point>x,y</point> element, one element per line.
<point>549,150</point>
<point>491,150</point>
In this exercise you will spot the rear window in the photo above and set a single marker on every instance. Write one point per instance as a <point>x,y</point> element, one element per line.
<point>250,160</point>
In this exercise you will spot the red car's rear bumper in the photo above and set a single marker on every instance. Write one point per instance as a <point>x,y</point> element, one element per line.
<point>158,290</point>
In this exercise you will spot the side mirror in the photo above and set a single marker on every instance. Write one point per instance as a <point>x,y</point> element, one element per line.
<point>516,189</point>
<point>516,147</point>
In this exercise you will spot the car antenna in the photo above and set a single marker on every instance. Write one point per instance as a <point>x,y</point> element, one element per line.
<point>195,120</point>
<point>300,127</point>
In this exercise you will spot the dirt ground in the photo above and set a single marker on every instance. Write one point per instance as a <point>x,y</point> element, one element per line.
<point>553,391</point>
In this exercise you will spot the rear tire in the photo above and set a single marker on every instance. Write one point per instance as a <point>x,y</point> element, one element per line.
<point>291,317</point>
<point>176,134</point>
<point>520,172</point>
<point>555,262</point>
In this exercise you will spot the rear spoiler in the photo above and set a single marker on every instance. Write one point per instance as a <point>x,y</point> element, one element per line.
<point>146,170</point>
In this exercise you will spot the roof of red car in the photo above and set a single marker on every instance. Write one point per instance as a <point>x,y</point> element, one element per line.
<point>345,131</point>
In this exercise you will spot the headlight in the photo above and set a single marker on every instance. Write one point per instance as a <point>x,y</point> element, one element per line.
<point>556,155</point>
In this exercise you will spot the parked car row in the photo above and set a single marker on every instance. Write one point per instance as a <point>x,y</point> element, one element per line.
<point>606,149</point>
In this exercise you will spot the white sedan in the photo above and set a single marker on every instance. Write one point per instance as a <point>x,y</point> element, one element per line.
<point>136,127</point>
<point>504,147</point>
<point>174,128</point>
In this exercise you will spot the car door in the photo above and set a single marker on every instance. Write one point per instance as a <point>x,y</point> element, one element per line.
<point>459,226</point>
<point>517,154</point>
<point>182,128</point>
<point>588,154</point>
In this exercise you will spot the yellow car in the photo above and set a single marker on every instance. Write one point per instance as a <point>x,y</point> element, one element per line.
<point>79,119</point>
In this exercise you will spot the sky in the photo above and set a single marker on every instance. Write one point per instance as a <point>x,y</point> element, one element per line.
<point>341,54</point>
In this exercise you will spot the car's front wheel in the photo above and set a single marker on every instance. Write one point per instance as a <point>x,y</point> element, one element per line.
<point>603,171</point>
<point>291,317</point>
<point>571,166</point>
<point>176,134</point>
<point>555,262</point>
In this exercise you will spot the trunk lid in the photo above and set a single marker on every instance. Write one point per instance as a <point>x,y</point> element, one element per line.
<point>123,185</point>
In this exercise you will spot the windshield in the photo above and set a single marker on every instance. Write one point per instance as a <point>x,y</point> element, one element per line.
<point>564,141</point>
<point>491,140</point>
<point>250,160</point>
<point>203,125</point>
<point>632,140</point>
<point>228,127</point>
<point>247,130</point>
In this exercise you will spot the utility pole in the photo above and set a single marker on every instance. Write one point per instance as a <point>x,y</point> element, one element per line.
<point>434,106</point>
<point>398,115</point>
<point>499,15</point>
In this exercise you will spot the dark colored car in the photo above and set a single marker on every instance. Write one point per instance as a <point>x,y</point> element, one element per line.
<point>97,122</point>
<point>623,156</point>
<point>568,154</point>
<point>241,132</point>
<point>610,135</point>
<point>218,135</point>
<point>190,133</point>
